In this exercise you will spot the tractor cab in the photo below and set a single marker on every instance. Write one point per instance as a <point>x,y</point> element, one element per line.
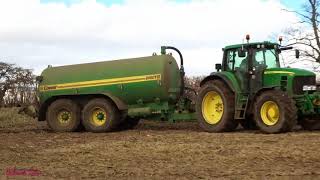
<point>249,62</point>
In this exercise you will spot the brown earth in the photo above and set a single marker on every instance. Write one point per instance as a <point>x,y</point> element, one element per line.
<point>156,150</point>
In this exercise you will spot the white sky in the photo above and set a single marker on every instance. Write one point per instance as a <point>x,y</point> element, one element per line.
<point>34,35</point>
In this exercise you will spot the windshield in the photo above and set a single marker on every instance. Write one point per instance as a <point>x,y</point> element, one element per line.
<point>267,57</point>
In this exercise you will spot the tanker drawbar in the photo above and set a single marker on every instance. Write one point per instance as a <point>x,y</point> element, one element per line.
<point>110,95</point>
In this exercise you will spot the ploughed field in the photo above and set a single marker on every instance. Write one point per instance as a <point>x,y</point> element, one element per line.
<point>156,150</point>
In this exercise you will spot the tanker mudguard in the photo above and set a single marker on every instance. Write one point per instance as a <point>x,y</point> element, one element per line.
<point>119,102</point>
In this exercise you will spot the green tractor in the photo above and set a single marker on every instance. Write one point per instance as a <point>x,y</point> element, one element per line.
<point>252,89</point>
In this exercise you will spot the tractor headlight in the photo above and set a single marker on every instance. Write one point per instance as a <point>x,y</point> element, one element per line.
<point>310,88</point>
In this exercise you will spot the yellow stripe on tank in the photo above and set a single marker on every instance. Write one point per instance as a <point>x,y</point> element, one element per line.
<point>102,82</point>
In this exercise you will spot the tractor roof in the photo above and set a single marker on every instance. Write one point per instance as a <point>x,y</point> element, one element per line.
<point>253,44</point>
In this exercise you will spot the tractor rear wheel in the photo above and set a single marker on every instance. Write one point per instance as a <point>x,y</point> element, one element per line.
<point>100,115</point>
<point>215,107</point>
<point>310,124</point>
<point>275,112</point>
<point>63,115</point>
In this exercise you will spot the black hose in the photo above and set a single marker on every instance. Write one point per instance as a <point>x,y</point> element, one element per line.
<point>175,49</point>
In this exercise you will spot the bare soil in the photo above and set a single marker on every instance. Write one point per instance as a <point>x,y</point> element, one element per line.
<point>155,150</point>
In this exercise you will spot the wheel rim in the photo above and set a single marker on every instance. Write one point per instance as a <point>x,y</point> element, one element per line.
<point>270,113</point>
<point>64,116</point>
<point>99,116</point>
<point>212,107</point>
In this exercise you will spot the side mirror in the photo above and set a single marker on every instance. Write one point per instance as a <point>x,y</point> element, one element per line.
<point>297,53</point>
<point>242,53</point>
<point>218,67</point>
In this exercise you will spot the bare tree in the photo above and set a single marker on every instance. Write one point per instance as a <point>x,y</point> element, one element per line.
<point>24,85</point>
<point>17,85</point>
<point>192,85</point>
<point>307,39</point>
<point>6,80</point>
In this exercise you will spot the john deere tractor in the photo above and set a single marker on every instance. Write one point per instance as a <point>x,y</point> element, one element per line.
<point>252,89</point>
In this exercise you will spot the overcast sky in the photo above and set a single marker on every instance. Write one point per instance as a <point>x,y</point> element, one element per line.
<point>35,33</point>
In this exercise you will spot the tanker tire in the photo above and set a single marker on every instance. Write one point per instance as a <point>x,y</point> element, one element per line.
<point>310,124</point>
<point>287,116</point>
<point>111,112</point>
<point>227,122</point>
<point>63,105</point>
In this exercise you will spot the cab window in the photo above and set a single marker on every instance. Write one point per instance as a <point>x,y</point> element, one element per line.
<point>236,62</point>
<point>266,57</point>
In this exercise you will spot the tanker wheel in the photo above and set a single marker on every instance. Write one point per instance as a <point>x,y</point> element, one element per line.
<point>215,107</point>
<point>128,123</point>
<point>63,115</point>
<point>275,112</point>
<point>100,115</point>
<point>310,124</point>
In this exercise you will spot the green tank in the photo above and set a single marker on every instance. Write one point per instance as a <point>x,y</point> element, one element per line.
<point>109,95</point>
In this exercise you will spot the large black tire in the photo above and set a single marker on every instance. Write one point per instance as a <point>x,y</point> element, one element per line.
<point>310,124</point>
<point>63,115</point>
<point>226,122</point>
<point>283,119</point>
<point>100,115</point>
<point>128,123</point>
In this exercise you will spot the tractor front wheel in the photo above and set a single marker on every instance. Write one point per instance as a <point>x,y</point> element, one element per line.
<point>275,112</point>
<point>215,107</point>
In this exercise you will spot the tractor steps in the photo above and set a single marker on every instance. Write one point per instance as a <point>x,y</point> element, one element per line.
<point>241,106</point>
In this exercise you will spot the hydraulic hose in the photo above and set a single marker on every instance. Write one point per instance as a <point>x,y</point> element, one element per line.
<point>163,51</point>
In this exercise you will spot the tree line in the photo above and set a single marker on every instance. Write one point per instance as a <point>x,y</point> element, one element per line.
<point>17,85</point>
